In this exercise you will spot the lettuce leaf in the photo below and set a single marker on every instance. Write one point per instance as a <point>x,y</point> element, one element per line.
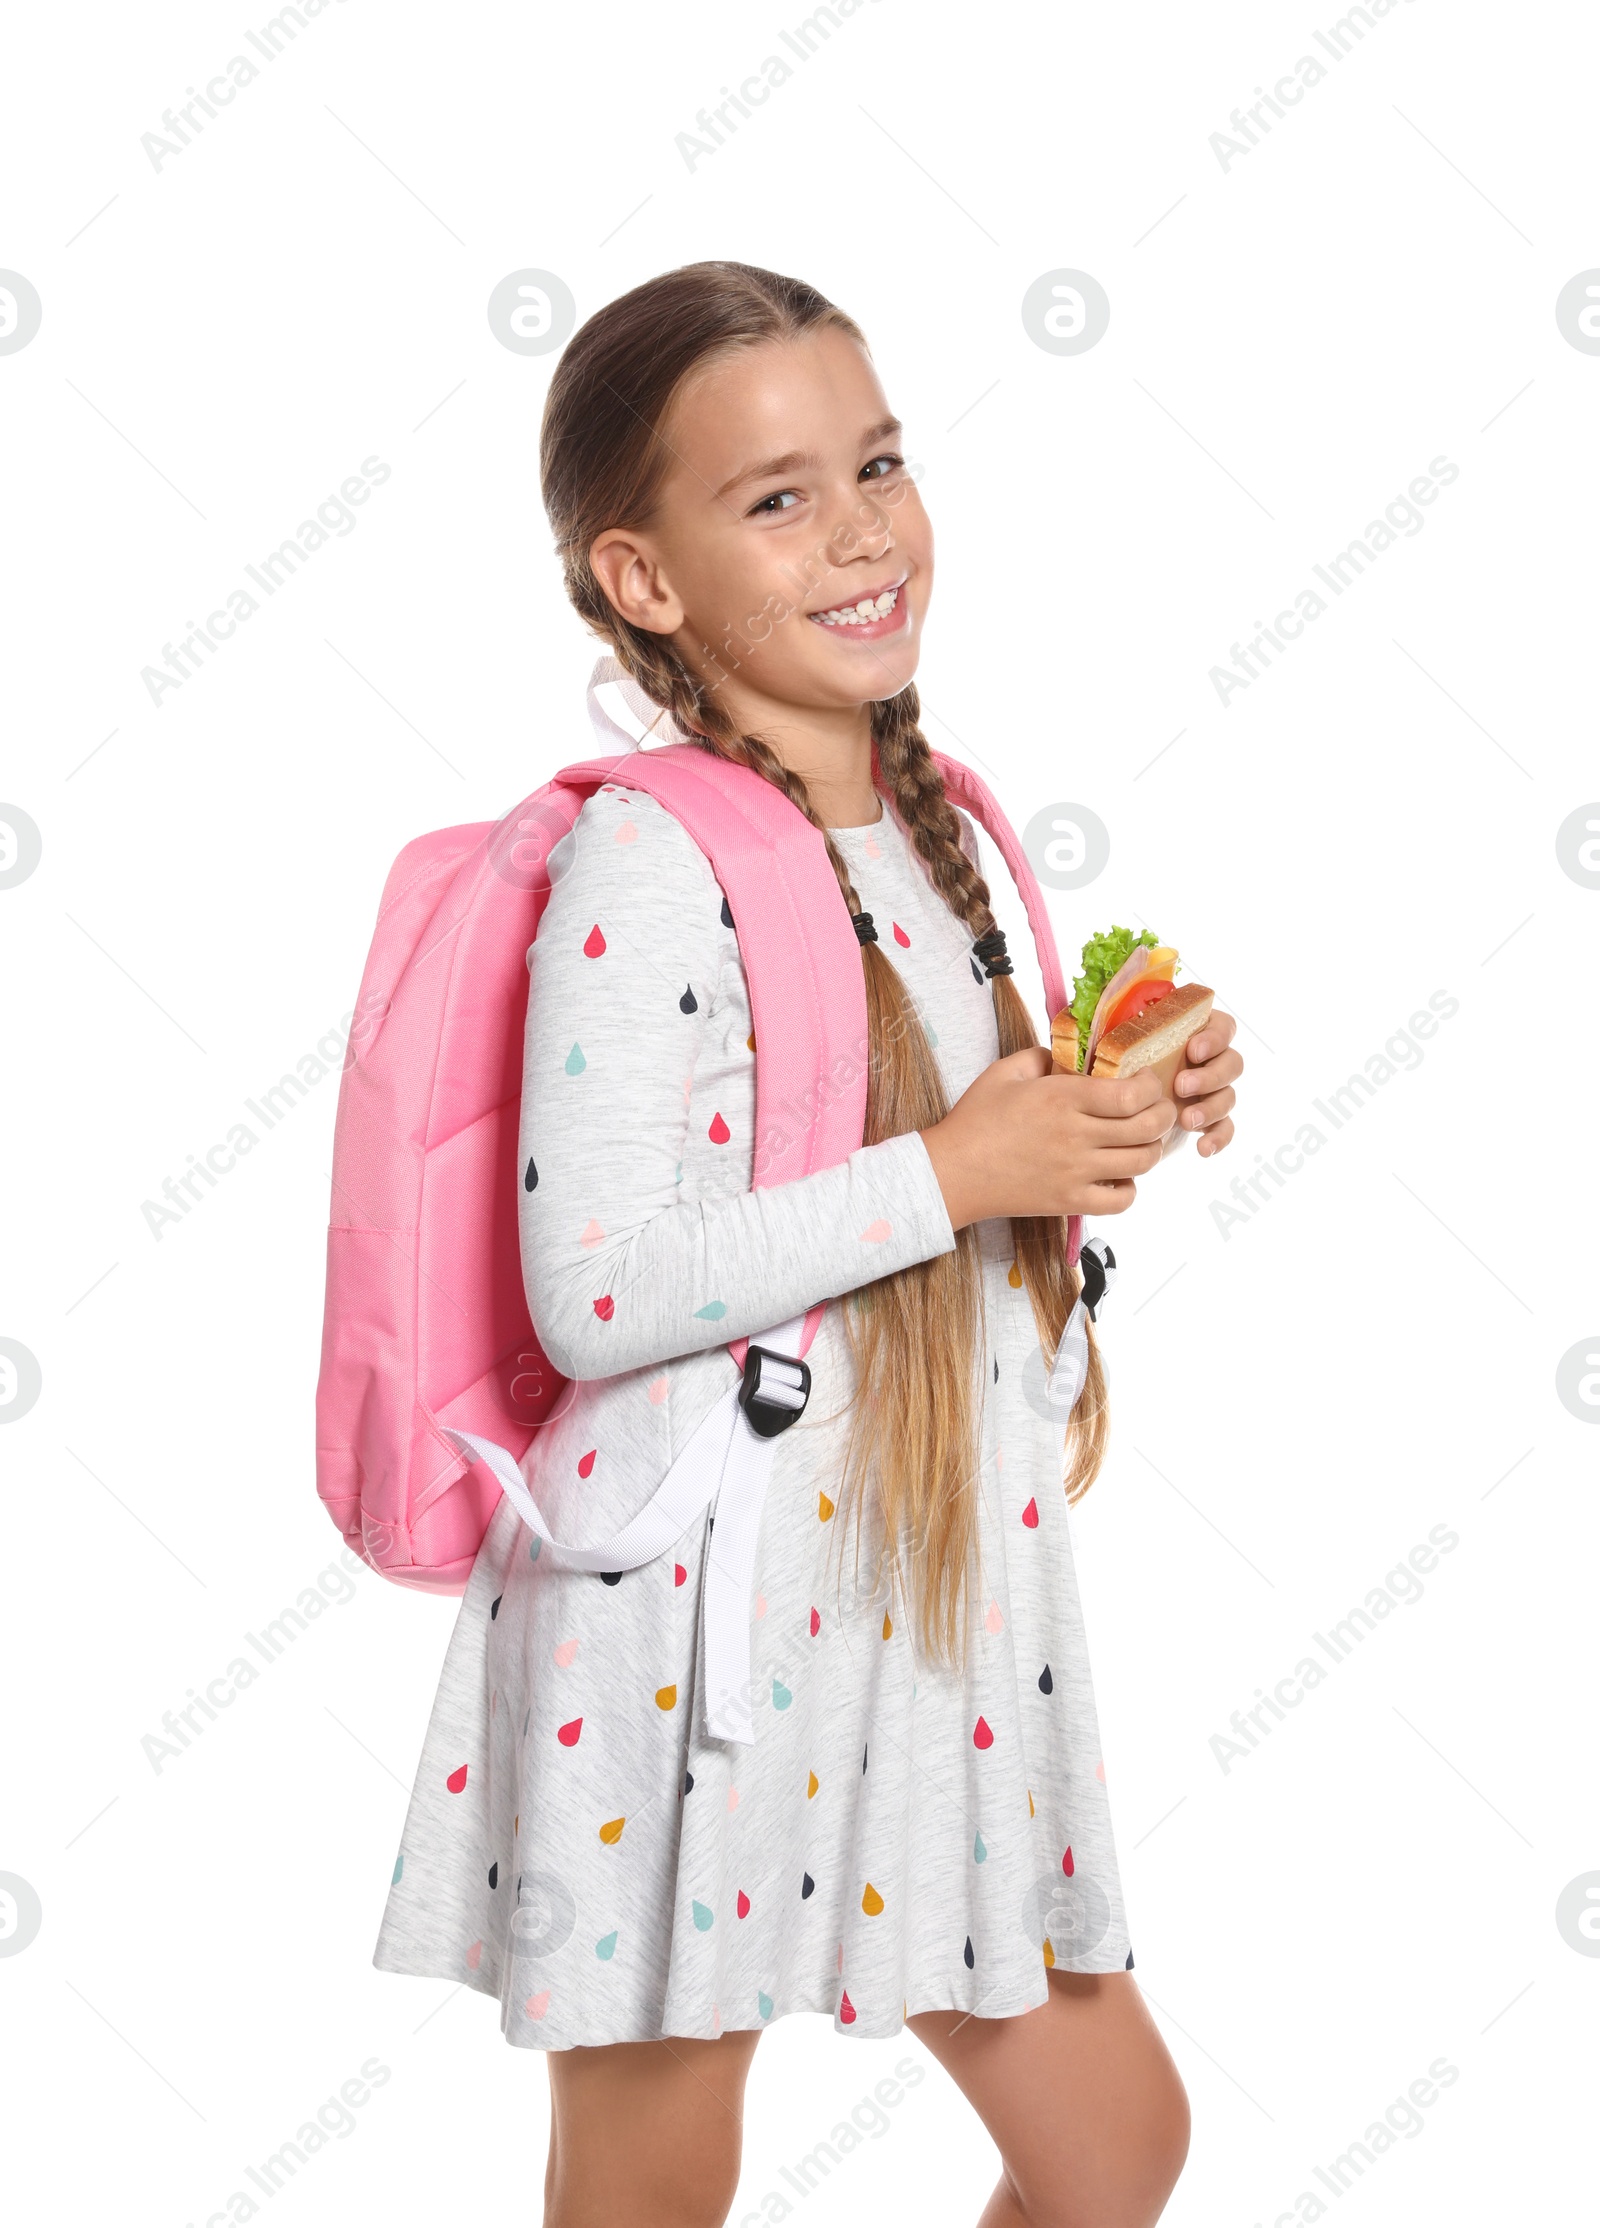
<point>1102,956</point>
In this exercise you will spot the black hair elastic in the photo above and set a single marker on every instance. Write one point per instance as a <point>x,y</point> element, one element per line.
<point>991,949</point>
<point>865,932</point>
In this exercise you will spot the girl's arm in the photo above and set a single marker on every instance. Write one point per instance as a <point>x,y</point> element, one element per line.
<point>621,1271</point>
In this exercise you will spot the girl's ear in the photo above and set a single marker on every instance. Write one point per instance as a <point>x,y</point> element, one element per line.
<point>630,574</point>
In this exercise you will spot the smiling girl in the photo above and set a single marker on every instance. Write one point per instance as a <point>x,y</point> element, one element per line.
<point>919,1833</point>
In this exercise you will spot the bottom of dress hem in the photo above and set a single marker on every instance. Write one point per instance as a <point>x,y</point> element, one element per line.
<point>857,2030</point>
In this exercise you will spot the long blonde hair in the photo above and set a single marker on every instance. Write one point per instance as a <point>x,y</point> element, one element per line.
<point>915,1336</point>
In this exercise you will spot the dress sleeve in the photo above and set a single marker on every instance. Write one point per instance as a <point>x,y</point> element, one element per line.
<point>621,1271</point>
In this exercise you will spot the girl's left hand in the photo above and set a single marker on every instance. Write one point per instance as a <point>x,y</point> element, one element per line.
<point>1204,1086</point>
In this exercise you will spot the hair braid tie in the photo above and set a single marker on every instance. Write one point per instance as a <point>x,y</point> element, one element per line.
<point>991,949</point>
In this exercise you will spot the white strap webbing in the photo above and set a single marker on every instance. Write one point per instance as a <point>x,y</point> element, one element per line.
<point>681,1495</point>
<point>1071,1366</point>
<point>728,1605</point>
<point>722,1461</point>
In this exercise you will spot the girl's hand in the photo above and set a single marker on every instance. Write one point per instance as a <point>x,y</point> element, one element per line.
<point>1022,1141</point>
<point>1204,1085</point>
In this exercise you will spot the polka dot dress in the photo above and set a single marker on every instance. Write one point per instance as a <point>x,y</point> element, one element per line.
<point>899,1837</point>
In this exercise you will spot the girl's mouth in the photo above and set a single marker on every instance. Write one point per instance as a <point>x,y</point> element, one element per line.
<point>869,618</point>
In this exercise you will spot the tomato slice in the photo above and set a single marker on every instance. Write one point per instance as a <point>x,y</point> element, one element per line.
<point>1134,1000</point>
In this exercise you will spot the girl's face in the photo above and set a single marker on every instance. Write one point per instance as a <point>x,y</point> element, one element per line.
<point>786,506</point>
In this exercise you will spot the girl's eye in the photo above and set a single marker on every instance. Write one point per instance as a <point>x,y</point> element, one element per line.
<point>765,508</point>
<point>881,466</point>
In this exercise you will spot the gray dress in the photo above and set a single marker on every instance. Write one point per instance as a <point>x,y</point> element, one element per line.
<point>899,1837</point>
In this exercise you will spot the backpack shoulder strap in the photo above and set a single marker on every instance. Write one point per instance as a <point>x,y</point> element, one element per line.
<point>808,1000</point>
<point>963,787</point>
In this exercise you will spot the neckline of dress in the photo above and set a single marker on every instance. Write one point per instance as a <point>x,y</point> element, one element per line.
<point>865,827</point>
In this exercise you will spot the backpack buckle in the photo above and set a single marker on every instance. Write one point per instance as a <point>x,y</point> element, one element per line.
<point>773,1391</point>
<point>1097,1265</point>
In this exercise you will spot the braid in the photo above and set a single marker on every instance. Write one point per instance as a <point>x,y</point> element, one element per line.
<point>930,819</point>
<point>907,768</point>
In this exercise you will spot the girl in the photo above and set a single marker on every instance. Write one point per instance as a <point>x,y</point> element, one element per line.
<point>919,1833</point>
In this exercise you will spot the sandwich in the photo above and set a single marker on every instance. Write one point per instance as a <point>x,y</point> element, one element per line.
<point>1127,1013</point>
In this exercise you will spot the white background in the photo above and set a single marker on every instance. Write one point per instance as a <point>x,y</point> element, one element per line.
<point>1370,1354</point>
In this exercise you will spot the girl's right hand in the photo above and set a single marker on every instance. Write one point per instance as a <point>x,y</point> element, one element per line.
<point>1023,1141</point>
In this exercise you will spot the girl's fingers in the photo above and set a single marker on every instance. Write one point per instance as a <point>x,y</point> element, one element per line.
<point>1110,1163</point>
<point>1207,1112</point>
<point>1215,1037</point>
<point>1208,1075</point>
<point>1109,1132</point>
<point>1214,1139</point>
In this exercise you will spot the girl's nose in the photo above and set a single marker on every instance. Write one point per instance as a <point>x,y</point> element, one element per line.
<point>864,530</point>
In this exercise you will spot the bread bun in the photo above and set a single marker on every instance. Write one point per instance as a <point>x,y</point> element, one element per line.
<point>1064,1042</point>
<point>1156,1038</point>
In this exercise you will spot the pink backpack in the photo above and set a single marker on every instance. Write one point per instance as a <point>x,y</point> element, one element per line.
<point>426,1330</point>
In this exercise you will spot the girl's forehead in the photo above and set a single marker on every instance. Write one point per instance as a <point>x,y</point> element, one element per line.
<point>775,395</point>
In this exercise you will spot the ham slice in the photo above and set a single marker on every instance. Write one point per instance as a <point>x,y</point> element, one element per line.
<point>1136,964</point>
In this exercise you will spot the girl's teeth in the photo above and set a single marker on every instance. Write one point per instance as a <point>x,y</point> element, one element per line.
<point>859,614</point>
